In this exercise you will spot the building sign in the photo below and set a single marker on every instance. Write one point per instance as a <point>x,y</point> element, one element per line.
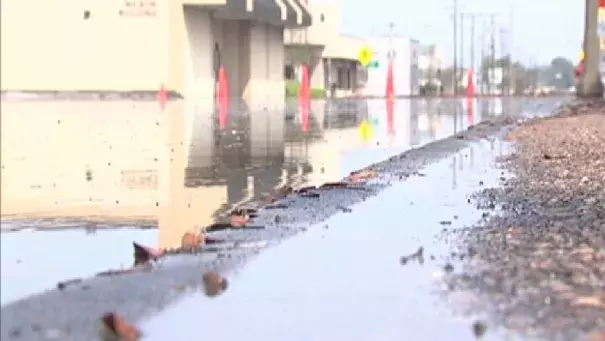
<point>138,8</point>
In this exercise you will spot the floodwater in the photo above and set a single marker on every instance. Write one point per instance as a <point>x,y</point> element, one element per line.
<point>344,277</point>
<point>108,165</point>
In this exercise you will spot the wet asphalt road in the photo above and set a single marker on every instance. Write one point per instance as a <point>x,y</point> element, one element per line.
<point>232,165</point>
<point>345,278</point>
<point>182,273</point>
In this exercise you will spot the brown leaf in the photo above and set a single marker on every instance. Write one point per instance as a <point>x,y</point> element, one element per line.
<point>214,283</point>
<point>238,220</point>
<point>191,240</point>
<point>115,327</point>
<point>362,175</point>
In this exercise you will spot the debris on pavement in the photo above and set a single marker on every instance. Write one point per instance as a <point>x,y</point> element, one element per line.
<point>64,284</point>
<point>214,283</point>
<point>418,255</point>
<point>244,212</point>
<point>479,329</point>
<point>144,254</point>
<point>362,175</point>
<point>116,328</point>
<point>192,241</point>
<point>309,195</point>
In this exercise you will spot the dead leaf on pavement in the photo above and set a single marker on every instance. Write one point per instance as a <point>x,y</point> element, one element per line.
<point>115,327</point>
<point>144,254</point>
<point>214,283</point>
<point>238,220</point>
<point>191,240</point>
<point>363,175</point>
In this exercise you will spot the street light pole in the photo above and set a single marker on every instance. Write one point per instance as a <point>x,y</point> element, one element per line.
<point>492,52</point>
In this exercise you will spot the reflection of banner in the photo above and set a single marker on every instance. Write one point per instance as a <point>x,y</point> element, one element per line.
<point>390,118</point>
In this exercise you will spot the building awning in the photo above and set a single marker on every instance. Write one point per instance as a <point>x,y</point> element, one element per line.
<point>274,12</point>
<point>306,18</point>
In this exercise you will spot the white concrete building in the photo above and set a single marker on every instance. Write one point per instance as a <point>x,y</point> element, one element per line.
<point>405,66</point>
<point>138,45</point>
<point>431,62</point>
<point>332,57</point>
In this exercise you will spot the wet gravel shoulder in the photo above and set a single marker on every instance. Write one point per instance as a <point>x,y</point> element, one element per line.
<point>72,312</point>
<point>537,264</point>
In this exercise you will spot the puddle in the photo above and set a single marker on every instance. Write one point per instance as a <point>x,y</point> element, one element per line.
<point>33,262</point>
<point>180,170</point>
<point>343,279</point>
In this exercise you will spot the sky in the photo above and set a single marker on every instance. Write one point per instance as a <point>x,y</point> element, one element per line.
<point>541,29</point>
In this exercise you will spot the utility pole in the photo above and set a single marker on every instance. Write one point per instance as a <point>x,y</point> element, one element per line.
<point>482,59</point>
<point>503,55</point>
<point>473,42</point>
<point>591,80</point>
<point>484,70</point>
<point>492,52</point>
<point>462,16</point>
<point>511,69</point>
<point>455,71</point>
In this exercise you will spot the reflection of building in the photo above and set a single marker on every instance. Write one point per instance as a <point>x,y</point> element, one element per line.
<point>426,121</point>
<point>333,57</point>
<point>82,159</point>
<point>344,113</point>
<point>267,133</point>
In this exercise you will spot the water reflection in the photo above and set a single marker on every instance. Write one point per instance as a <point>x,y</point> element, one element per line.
<point>185,167</point>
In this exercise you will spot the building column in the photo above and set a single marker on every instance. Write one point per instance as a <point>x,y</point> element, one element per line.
<point>255,92</point>
<point>265,87</point>
<point>317,72</point>
<point>198,71</point>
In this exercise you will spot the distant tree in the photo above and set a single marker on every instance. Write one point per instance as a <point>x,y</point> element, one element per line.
<point>560,73</point>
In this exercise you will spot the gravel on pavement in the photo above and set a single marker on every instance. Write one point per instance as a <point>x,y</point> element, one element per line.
<point>537,264</point>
